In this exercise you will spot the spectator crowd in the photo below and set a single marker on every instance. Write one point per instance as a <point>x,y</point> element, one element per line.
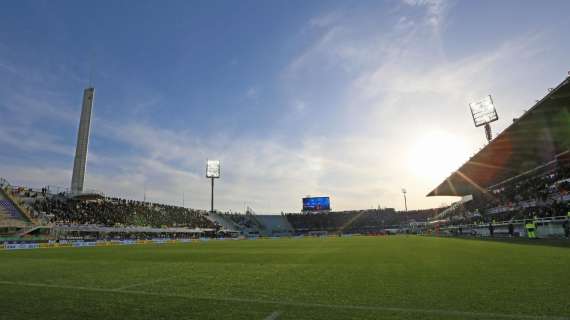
<point>539,195</point>
<point>114,211</point>
<point>361,221</point>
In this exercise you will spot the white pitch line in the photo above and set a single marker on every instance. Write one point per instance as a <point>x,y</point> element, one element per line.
<point>469,314</point>
<point>273,316</point>
<point>143,283</point>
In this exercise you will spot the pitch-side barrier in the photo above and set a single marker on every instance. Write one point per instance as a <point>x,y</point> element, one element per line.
<point>105,243</point>
<point>549,227</point>
<point>83,243</point>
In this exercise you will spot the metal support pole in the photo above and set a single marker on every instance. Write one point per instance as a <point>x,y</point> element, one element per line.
<point>212,198</point>
<point>404,191</point>
<point>488,132</point>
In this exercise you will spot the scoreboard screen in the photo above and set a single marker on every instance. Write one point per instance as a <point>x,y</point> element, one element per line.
<point>316,204</point>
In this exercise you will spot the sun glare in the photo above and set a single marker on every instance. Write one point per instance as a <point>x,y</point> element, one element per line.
<point>435,154</point>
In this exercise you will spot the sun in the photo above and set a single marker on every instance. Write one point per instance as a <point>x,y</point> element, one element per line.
<point>435,154</point>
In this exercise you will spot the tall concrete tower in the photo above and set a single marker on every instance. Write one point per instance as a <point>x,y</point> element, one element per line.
<point>82,142</point>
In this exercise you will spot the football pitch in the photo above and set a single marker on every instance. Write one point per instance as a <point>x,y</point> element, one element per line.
<point>396,277</point>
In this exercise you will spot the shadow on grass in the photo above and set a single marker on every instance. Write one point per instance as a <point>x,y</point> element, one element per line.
<point>564,243</point>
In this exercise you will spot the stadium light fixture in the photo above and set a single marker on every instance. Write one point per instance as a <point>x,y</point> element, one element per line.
<point>213,169</point>
<point>483,113</point>
<point>212,172</point>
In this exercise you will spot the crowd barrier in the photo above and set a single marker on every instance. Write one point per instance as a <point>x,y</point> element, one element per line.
<point>81,243</point>
<point>18,246</point>
<point>545,228</point>
<point>106,243</point>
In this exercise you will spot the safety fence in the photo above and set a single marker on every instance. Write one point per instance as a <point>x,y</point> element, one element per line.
<point>107,243</point>
<point>549,227</point>
<point>98,243</point>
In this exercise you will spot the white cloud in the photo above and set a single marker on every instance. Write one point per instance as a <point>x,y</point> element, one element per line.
<point>401,86</point>
<point>262,173</point>
<point>435,10</point>
<point>27,106</point>
<point>28,140</point>
<point>36,176</point>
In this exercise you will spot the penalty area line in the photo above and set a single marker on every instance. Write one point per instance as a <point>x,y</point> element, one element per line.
<point>143,283</point>
<point>468,314</point>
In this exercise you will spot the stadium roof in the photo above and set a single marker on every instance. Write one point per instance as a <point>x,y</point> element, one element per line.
<point>540,135</point>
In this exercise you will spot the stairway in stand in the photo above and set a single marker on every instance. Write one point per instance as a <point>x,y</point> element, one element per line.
<point>10,216</point>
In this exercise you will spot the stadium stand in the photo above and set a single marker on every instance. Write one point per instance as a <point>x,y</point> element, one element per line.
<point>275,225</point>
<point>541,198</point>
<point>247,222</point>
<point>8,207</point>
<point>539,136</point>
<point>11,214</point>
<point>363,221</point>
<point>15,205</point>
<point>520,177</point>
<point>114,211</point>
<point>223,221</point>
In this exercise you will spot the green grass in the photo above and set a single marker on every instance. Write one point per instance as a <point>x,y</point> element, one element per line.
<point>396,277</point>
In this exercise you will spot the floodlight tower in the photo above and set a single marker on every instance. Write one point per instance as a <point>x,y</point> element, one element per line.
<point>212,172</point>
<point>484,112</point>
<point>80,161</point>
<point>404,191</point>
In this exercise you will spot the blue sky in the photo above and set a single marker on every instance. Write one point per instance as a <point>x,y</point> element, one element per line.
<point>352,99</point>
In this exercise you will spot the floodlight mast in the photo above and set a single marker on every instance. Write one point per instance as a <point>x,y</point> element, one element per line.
<point>404,191</point>
<point>212,196</point>
<point>488,132</point>
<point>212,172</point>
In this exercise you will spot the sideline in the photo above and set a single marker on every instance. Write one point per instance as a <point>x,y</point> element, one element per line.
<point>296,304</point>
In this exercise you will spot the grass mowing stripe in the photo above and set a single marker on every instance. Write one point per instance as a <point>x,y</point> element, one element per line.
<point>298,304</point>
